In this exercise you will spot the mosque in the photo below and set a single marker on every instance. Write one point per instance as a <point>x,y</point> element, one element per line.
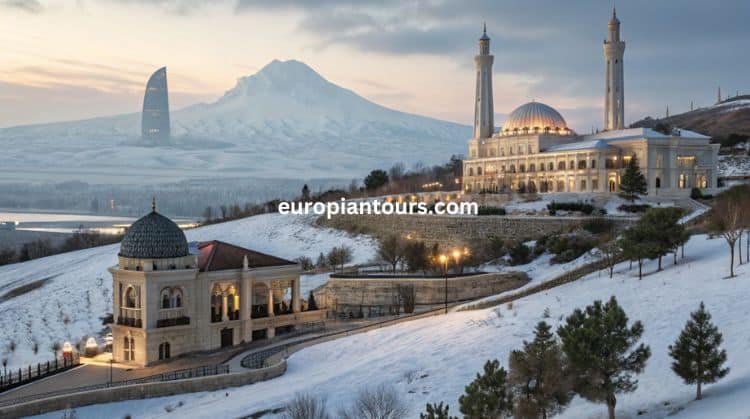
<point>535,150</point>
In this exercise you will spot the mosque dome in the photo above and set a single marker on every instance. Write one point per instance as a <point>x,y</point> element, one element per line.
<point>154,236</point>
<point>535,118</point>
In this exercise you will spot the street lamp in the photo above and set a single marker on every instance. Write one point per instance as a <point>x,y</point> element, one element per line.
<point>457,257</point>
<point>444,262</point>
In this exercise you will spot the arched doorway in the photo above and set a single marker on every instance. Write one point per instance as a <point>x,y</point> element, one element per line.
<point>612,185</point>
<point>227,337</point>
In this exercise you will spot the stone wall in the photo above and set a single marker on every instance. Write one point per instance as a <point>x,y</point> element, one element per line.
<point>347,292</point>
<point>449,231</point>
<point>142,391</point>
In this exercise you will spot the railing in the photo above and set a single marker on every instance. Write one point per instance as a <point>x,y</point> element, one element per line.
<point>26,375</point>
<point>202,371</point>
<point>129,321</point>
<point>173,321</point>
<point>257,359</point>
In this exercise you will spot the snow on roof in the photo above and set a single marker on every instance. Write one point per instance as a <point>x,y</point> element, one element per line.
<point>648,133</point>
<point>580,145</point>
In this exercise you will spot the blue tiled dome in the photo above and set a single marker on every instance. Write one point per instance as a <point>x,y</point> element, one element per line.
<point>154,236</point>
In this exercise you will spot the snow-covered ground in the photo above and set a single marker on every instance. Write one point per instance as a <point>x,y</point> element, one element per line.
<point>432,359</point>
<point>74,290</point>
<point>519,205</point>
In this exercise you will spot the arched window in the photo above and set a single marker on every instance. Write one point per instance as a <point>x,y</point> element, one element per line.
<point>522,168</point>
<point>593,163</point>
<point>217,301</point>
<point>166,298</point>
<point>571,165</point>
<point>532,167</point>
<point>130,297</point>
<point>581,164</point>
<point>164,350</point>
<point>471,171</point>
<point>658,182</point>
<point>513,168</point>
<point>551,166</point>
<point>177,298</point>
<point>128,348</point>
<point>561,165</point>
<point>479,171</point>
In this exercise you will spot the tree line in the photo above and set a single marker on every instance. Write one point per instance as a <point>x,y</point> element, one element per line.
<point>596,354</point>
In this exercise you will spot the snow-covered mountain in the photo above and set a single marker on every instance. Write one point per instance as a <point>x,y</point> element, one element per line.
<point>286,121</point>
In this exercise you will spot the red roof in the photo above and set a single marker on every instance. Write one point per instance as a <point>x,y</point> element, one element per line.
<point>218,256</point>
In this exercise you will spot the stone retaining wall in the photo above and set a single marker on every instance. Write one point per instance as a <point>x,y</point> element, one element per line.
<point>378,292</point>
<point>450,231</point>
<point>142,391</point>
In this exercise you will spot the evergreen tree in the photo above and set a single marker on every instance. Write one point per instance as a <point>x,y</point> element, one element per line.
<point>311,304</point>
<point>632,181</point>
<point>599,346</point>
<point>376,179</point>
<point>663,230</point>
<point>696,353</point>
<point>487,396</point>
<point>322,262</point>
<point>639,243</point>
<point>436,411</point>
<point>537,377</point>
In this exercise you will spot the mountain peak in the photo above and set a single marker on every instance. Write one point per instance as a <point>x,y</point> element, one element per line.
<point>279,76</point>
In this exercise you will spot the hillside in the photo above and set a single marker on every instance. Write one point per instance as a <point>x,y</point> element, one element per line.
<point>731,116</point>
<point>286,121</point>
<point>64,297</point>
<point>432,359</point>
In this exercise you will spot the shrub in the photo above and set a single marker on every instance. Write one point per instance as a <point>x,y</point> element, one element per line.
<point>569,247</point>
<point>579,206</point>
<point>598,225</point>
<point>520,254</point>
<point>485,210</point>
<point>696,193</point>
<point>381,402</point>
<point>633,208</point>
<point>306,406</point>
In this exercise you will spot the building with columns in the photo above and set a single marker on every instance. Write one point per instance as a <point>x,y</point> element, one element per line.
<point>535,150</point>
<point>172,298</point>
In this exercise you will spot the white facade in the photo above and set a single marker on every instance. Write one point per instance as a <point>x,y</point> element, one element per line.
<point>536,151</point>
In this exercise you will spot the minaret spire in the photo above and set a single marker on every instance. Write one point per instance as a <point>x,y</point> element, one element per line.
<point>484,110</point>
<point>153,203</point>
<point>718,95</point>
<point>614,87</point>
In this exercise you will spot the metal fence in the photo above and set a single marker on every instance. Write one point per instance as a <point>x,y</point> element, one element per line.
<point>12,378</point>
<point>201,371</point>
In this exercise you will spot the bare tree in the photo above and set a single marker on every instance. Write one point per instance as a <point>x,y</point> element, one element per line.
<point>727,219</point>
<point>381,402</point>
<point>391,250</point>
<point>306,406</point>
<point>610,251</point>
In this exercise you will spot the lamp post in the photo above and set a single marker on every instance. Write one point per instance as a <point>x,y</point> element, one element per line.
<point>444,262</point>
<point>111,361</point>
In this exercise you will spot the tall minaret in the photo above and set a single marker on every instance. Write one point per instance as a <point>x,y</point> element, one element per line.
<point>614,102</point>
<point>484,118</point>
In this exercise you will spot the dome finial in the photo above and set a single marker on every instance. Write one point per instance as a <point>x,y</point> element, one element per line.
<point>484,28</point>
<point>153,203</point>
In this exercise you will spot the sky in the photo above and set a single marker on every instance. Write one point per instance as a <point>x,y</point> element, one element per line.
<point>76,59</point>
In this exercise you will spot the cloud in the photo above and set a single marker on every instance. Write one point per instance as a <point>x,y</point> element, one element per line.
<point>30,6</point>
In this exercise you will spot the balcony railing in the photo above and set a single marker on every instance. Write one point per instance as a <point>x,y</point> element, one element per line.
<point>174,321</point>
<point>129,321</point>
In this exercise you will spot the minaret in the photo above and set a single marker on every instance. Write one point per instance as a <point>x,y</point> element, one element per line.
<point>484,118</point>
<point>667,114</point>
<point>614,102</point>
<point>718,95</point>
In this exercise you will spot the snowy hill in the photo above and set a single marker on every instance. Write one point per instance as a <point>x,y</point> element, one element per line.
<point>64,297</point>
<point>730,116</point>
<point>286,121</point>
<point>432,359</point>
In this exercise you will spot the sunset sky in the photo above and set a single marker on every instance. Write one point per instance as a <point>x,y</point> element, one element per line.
<point>65,60</point>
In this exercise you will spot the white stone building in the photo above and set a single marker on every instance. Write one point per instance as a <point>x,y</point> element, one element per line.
<point>170,298</point>
<point>535,150</point>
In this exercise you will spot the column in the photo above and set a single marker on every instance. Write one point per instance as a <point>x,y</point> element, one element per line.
<point>246,302</point>
<point>224,316</point>
<point>295,295</point>
<point>270,301</point>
